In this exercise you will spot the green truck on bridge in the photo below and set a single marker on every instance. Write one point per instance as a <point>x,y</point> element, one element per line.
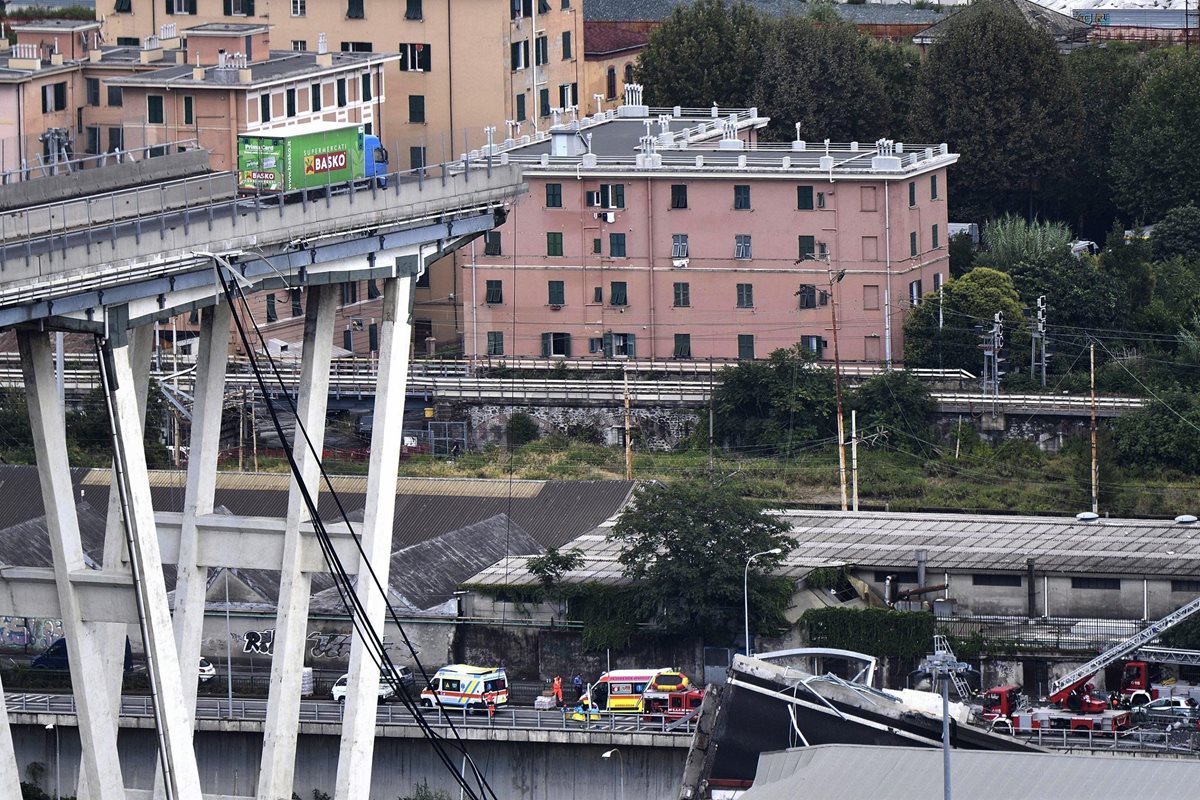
<point>309,156</point>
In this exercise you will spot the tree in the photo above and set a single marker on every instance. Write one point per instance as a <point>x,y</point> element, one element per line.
<point>704,53</point>
<point>969,301</point>
<point>550,566</point>
<point>1010,239</point>
<point>786,401</point>
<point>685,547</point>
<point>521,429</point>
<point>1177,234</point>
<point>994,89</point>
<point>1127,261</point>
<point>898,66</point>
<point>1155,161</point>
<point>1163,435</point>
<point>899,403</point>
<point>962,254</point>
<point>820,75</point>
<point>1078,295</point>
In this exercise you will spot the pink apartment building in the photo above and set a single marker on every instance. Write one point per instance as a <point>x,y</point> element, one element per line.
<point>676,234</point>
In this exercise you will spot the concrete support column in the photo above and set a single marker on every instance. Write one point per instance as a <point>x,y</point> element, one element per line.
<point>291,623</point>
<point>175,734</point>
<point>47,421</point>
<point>387,428</point>
<point>10,778</point>
<point>192,580</point>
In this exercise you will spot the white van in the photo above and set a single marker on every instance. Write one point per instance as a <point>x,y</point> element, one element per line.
<point>465,686</point>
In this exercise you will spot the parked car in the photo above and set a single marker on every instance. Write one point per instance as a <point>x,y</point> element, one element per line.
<point>1167,711</point>
<point>386,691</point>
<point>55,658</point>
<point>206,670</point>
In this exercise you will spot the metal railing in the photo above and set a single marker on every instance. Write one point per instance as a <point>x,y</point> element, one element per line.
<point>68,166</point>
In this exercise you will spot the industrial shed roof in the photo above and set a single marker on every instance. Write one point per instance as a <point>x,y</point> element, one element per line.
<point>959,542</point>
<point>852,772</point>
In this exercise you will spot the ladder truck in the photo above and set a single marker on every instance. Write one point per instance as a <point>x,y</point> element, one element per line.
<point>1144,678</point>
<point>1072,702</point>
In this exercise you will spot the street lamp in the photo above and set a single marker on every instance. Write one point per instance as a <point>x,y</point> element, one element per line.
<point>941,666</point>
<point>621,758</point>
<point>57,784</point>
<point>837,365</point>
<point>774,551</point>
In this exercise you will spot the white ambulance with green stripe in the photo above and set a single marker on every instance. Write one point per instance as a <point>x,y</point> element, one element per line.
<point>465,686</point>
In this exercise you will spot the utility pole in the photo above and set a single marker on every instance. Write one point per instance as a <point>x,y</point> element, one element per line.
<point>1038,339</point>
<point>1095,463</point>
<point>242,433</point>
<point>254,431</point>
<point>854,458</point>
<point>710,419</point>
<point>837,384</point>
<point>628,439</point>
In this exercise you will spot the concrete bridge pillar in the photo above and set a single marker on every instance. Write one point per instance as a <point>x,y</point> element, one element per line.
<point>291,621</point>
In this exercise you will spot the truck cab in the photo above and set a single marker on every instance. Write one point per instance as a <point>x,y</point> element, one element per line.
<point>1002,701</point>
<point>376,156</point>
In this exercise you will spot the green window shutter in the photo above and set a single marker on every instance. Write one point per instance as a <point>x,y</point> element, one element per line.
<point>373,338</point>
<point>808,246</point>
<point>226,8</point>
<point>804,198</point>
<point>618,194</point>
<point>191,7</point>
<point>170,6</point>
<point>631,345</point>
<point>546,344</point>
<point>608,350</point>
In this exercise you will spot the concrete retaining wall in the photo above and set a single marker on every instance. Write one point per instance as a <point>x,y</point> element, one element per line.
<point>229,761</point>
<point>652,428</point>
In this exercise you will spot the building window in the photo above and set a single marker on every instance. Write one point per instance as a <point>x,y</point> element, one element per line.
<point>491,243</point>
<point>272,313</point>
<point>366,93</point>
<point>373,285</point>
<point>553,195</point>
<point>808,247</point>
<point>495,292</point>
<point>299,8</point>
<point>300,45</point>
<point>123,7</point>
<point>495,343</point>
<point>116,96</point>
<point>897,577</point>
<point>555,293</point>
<point>416,157</point>
<point>1096,583</point>
<point>413,10</point>
<point>995,579</point>
<point>598,295</point>
<point>679,245</point>
<point>616,245</point>
<point>595,345</point>
<point>416,108</point>
<point>568,95</point>
<point>189,110</point>
<point>519,114</point>
<point>804,198</point>
<point>154,109</point>
<point>683,295</point>
<point>521,8</point>
<point>679,195</point>
<point>914,293</point>
<point>745,295</point>
<point>541,50</point>
<point>618,293</point>
<point>415,58</point>
<point>1191,587</point>
<point>683,345</point>
<point>54,98</point>
<point>609,195</point>
<point>933,192</point>
<point>341,92</point>
<point>820,199</point>
<point>519,54</point>
<point>264,108</point>
<point>566,5</point>
<point>741,197</point>
<point>741,246</point>
<point>566,45</point>
<point>181,6</point>
<point>871,297</point>
<point>556,344</point>
<point>936,238</point>
<point>808,296</point>
<point>628,72</point>
<point>354,9</point>
<point>93,91</point>
<point>912,244</point>
<point>297,306</point>
<point>314,97</point>
<point>912,194</point>
<point>937,282</point>
<point>554,243</point>
<point>93,140</point>
<point>610,84</point>
<point>544,102</point>
<point>349,292</point>
<point>289,103</point>
<point>595,245</point>
<point>813,344</point>
<point>620,345</point>
<point>116,139</point>
<point>239,8</point>
<point>746,346</point>
<point>357,47</point>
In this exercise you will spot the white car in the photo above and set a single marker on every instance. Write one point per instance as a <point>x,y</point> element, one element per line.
<point>206,670</point>
<point>386,692</point>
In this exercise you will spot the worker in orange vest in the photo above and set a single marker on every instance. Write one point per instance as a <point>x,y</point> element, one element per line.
<point>557,686</point>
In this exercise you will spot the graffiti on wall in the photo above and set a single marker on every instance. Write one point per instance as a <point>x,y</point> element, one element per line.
<point>259,642</point>
<point>332,646</point>
<point>31,632</point>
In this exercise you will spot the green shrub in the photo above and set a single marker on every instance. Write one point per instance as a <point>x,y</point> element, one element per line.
<point>521,429</point>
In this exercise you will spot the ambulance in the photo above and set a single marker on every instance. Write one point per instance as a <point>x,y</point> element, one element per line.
<point>626,690</point>
<point>465,686</point>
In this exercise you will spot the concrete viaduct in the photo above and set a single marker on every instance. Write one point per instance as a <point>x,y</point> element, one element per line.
<point>111,265</point>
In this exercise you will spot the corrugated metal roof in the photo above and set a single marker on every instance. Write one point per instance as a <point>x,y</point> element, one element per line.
<point>852,772</point>
<point>1063,27</point>
<point>963,542</point>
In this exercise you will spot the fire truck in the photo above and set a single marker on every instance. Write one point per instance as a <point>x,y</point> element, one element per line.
<point>1146,678</point>
<point>1073,703</point>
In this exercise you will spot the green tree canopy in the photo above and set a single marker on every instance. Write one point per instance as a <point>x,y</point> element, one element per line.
<point>703,54</point>
<point>994,88</point>
<point>1155,161</point>
<point>899,403</point>
<point>969,301</point>
<point>1177,234</point>
<point>1010,240</point>
<point>820,75</point>
<point>1078,295</point>
<point>771,406</point>
<point>1163,435</point>
<point>685,546</point>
